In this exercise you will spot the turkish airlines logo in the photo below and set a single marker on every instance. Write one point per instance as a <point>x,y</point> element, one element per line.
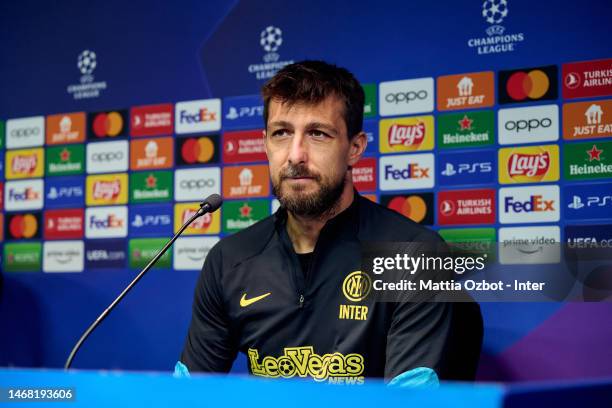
<point>107,124</point>
<point>244,146</point>
<point>529,164</point>
<point>151,120</point>
<point>106,222</point>
<point>587,78</point>
<point>152,153</point>
<point>25,132</point>
<point>107,157</point>
<point>406,96</point>
<point>23,195</point>
<point>466,207</point>
<point>528,125</point>
<point>196,184</point>
<point>198,116</point>
<point>524,205</point>
<point>364,174</point>
<point>64,224</point>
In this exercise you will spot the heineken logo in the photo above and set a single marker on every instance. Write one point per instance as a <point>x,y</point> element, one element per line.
<point>151,187</point>
<point>588,160</point>
<point>238,215</point>
<point>465,129</point>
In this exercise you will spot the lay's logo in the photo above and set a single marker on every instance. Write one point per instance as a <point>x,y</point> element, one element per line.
<point>207,224</point>
<point>406,134</point>
<point>529,164</point>
<point>107,189</point>
<point>24,163</point>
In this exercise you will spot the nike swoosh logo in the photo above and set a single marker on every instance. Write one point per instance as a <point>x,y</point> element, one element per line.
<point>244,302</point>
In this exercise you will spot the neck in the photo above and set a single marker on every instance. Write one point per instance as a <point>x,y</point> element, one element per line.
<point>304,231</point>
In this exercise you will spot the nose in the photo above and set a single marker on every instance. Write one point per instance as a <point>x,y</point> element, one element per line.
<point>298,149</point>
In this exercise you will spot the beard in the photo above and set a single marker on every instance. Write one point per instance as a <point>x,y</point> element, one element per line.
<point>309,205</point>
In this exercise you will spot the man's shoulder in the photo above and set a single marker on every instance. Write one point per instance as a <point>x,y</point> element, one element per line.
<point>245,243</point>
<point>379,223</point>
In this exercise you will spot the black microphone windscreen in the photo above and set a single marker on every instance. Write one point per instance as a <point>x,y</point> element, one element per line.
<point>214,201</point>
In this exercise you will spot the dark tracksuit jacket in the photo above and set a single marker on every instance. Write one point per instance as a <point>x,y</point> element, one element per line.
<point>252,297</point>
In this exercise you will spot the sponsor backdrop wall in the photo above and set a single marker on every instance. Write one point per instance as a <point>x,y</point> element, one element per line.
<point>487,120</point>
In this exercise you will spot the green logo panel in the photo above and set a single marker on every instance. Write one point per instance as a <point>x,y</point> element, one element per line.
<point>238,215</point>
<point>466,129</point>
<point>65,160</point>
<point>370,108</point>
<point>583,161</point>
<point>151,187</point>
<point>2,131</point>
<point>142,250</point>
<point>22,257</point>
<point>475,241</point>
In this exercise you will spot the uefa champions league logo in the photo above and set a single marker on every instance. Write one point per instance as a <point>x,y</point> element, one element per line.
<point>87,61</point>
<point>497,41</point>
<point>271,39</point>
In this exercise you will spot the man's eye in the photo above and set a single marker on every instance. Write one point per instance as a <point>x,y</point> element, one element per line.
<point>280,133</point>
<point>318,134</point>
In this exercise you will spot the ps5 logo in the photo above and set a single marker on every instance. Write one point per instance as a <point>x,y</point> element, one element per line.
<point>467,168</point>
<point>151,220</point>
<point>244,112</point>
<point>591,201</point>
<point>56,193</point>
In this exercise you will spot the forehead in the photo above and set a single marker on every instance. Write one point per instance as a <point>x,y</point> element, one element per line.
<point>330,110</point>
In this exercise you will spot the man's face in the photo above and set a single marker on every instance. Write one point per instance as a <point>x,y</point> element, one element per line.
<point>309,154</point>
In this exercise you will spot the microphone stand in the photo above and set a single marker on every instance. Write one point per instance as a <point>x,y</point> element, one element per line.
<point>204,208</point>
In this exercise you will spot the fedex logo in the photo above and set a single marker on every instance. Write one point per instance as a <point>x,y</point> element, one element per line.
<point>535,203</point>
<point>198,116</point>
<point>23,195</point>
<point>106,222</point>
<point>521,205</point>
<point>408,171</point>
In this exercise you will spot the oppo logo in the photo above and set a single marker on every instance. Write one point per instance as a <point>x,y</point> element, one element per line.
<point>406,97</point>
<point>106,157</point>
<point>199,183</point>
<point>529,125</point>
<point>25,132</point>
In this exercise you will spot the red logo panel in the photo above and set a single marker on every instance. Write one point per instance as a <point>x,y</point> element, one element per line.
<point>244,147</point>
<point>466,207</point>
<point>64,224</point>
<point>586,79</point>
<point>152,120</point>
<point>364,174</point>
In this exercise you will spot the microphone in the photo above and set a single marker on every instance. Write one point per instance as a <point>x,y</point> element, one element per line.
<point>211,204</point>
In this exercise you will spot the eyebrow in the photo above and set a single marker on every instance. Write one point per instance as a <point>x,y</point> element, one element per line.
<point>311,125</point>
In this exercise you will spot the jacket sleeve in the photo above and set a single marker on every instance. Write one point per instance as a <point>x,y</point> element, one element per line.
<point>209,346</point>
<point>420,328</point>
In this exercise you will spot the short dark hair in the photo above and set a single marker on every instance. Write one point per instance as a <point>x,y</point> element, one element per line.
<point>311,82</point>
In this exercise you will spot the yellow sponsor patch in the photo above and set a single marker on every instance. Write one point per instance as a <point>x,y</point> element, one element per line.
<point>532,164</point>
<point>107,189</point>
<point>407,134</point>
<point>26,163</point>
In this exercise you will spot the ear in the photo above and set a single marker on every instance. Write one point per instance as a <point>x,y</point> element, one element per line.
<point>357,146</point>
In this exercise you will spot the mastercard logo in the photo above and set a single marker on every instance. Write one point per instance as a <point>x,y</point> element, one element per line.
<point>23,226</point>
<point>108,124</point>
<point>528,84</point>
<point>415,207</point>
<point>522,85</point>
<point>197,150</point>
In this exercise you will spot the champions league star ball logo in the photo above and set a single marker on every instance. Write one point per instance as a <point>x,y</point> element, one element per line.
<point>497,41</point>
<point>494,11</point>
<point>271,39</point>
<point>87,62</point>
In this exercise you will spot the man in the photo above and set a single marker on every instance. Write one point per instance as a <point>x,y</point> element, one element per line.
<point>280,291</point>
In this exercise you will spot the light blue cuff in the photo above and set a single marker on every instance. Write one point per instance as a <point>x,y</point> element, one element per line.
<point>420,377</point>
<point>180,370</point>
